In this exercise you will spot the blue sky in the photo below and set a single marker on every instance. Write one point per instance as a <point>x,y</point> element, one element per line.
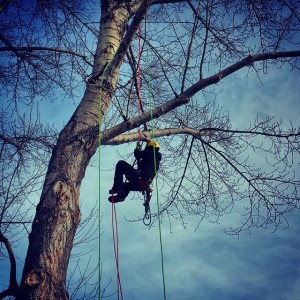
<point>207,263</point>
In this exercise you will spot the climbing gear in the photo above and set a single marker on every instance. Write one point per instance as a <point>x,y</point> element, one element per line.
<point>146,190</point>
<point>144,186</point>
<point>157,201</point>
<point>147,193</point>
<point>99,170</point>
<point>115,236</point>
<point>147,197</point>
<point>152,144</point>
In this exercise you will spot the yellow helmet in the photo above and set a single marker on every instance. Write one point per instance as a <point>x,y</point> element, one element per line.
<point>152,144</point>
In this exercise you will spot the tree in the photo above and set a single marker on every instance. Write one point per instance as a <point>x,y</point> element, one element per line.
<point>196,45</point>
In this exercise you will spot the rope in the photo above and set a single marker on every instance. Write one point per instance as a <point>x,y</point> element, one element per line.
<point>147,216</point>
<point>156,180</point>
<point>139,80</point>
<point>147,195</point>
<point>99,170</point>
<point>115,236</point>
<point>114,213</point>
<point>159,219</point>
<point>99,174</point>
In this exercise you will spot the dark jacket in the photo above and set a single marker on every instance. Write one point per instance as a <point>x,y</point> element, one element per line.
<point>146,162</point>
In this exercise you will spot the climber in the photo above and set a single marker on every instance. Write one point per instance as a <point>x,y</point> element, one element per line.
<point>136,179</point>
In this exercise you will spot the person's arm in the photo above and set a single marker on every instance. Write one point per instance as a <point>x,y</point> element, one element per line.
<point>138,154</point>
<point>159,156</point>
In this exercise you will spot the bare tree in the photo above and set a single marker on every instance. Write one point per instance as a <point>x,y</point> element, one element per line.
<point>187,48</point>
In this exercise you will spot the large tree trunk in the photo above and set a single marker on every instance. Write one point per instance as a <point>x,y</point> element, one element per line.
<point>58,213</point>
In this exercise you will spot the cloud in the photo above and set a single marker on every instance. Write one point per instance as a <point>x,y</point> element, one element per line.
<point>206,264</point>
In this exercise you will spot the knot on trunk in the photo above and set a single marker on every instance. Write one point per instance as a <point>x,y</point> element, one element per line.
<point>34,278</point>
<point>60,189</point>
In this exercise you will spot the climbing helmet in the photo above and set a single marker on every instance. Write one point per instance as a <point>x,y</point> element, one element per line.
<point>152,144</point>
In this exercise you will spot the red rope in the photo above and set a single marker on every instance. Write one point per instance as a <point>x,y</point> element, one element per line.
<point>113,207</point>
<point>116,246</point>
<point>139,81</point>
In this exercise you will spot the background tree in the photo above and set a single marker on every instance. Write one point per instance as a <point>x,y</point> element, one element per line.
<point>187,48</point>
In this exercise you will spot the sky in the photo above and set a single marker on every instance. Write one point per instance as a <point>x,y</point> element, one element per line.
<point>205,264</point>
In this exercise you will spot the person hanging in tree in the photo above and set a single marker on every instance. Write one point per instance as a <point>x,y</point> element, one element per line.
<point>148,161</point>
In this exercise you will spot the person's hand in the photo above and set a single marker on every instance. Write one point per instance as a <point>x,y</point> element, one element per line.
<point>138,146</point>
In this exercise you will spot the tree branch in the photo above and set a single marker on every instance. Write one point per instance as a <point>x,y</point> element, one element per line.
<point>148,134</point>
<point>184,97</point>
<point>3,4</point>
<point>39,48</point>
<point>197,133</point>
<point>167,1</point>
<point>141,119</point>
<point>13,285</point>
<point>9,141</point>
<point>249,60</point>
<point>20,141</point>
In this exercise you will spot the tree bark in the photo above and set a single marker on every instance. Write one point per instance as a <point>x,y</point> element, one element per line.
<point>58,213</point>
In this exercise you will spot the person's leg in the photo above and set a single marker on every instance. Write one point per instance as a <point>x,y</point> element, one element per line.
<point>127,187</point>
<point>133,184</point>
<point>132,178</point>
<point>121,188</point>
<point>122,168</point>
<point>120,194</point>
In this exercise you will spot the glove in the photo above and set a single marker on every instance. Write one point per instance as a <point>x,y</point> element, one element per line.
<point>138,146</point>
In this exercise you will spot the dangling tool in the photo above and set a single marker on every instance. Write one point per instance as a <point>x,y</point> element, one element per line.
<point>147,215</point>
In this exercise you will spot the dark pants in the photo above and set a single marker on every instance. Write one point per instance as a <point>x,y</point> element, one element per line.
<point>131,175</point>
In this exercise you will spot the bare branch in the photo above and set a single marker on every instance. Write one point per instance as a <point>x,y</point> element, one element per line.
<point>148,134</point>
<point>3,4</point>
<point>183,98</point>
<point>248,61</point>
<point>28,50</point>
<point>13,285</point>
<point>143,118</point>
<point>167,1</point>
